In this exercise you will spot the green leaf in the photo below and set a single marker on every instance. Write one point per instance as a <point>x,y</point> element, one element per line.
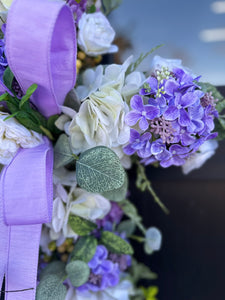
<point>118,194</point>
<point>220,106</point>
<point>92,9</point>
<point>63,154</point>
<point>84,249</point>
<point>116,244</point>
<point>4,97</point>
<point>8,78</point>
<point>29,92</point>
<point>220,129</point>
<point>80,225</point>
<point>140,59</point>
<point>127,226</point>
<point>78,272</point>
<point>25,120</point>
<point>51,288</point>
<point>51,124</point>
<point>55,267</point>
<point>99,170</point>
<point>110,5</point>
<point>140,271</point>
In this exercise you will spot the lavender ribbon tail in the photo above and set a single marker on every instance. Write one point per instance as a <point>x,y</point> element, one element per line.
<point>26,199</point>
<point>41,48</point>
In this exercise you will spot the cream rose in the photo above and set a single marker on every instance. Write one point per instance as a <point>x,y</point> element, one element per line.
<point>95,34</point>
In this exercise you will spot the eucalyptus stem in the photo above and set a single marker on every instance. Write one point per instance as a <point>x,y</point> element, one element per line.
<point>139,239</point>
<point>144,184</point>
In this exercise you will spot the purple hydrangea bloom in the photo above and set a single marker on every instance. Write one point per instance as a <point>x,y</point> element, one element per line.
<point>139,143</point>
<point>113,217</point>
<point>184,120</point>
<point>3,59</point>
<point>141,113</point>
<point>104,272</point>
<point>77,8</point>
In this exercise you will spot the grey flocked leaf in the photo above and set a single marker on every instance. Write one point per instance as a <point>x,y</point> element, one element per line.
<point>62,152</point>
<point>80,225</point>
<point>99,170</point>
<point>84,249</point>
<point>78,272</point>
<point>51,288</point>
<point>115,244</point>
<point>55,267</point>
<point>118,194</point>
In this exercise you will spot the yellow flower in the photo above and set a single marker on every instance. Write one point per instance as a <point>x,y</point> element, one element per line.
<point>150,293</point>
<point>6,3</point>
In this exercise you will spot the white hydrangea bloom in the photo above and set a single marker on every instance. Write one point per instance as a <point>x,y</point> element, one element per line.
<point>13,135</point>
<point>78,202</point>
<point>100,121</point>
<point>195,161</point>
<point>159,62</point>
<point>95,34</point>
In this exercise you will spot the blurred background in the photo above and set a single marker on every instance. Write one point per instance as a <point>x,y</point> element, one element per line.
<point>191,30</point>
<point>191,263</point>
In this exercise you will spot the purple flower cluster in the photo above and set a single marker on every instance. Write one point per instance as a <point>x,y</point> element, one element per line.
<point>77,7</point>
<point>105,270</point>
<point>174,118</point>
<point>3,59</point>
<point>113,217</point>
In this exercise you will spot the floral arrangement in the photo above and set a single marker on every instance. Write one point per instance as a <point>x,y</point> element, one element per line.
<point>70,128</point>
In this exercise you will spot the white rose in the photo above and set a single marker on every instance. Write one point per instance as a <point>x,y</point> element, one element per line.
<point>100,121</point>
<point>13,135</point>
<point>95,34</point>
<point>196,160</point>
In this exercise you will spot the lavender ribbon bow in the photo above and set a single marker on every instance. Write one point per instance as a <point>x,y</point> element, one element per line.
<point>41,49</point>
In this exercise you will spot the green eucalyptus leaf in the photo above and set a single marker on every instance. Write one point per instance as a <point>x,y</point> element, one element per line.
<point>140,271</point>
<point>99,170</point>
<point>220,129</point>
<point>208,87</point>
<point>51,288</point>
<point>55,267</point>
<point>127,226</point>
<point>115,244</point>
<point>80,225</point>
<point>110,5</point>
<point>63,154</point>
<point>220,106</point>
<point>84,249</point>
<point>8,78</point>
<point>118,194</point>
<point>92,9</point>
<point>78,272</point>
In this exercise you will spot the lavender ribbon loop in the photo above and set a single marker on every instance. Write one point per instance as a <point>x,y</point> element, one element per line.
<point>41,48</point>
